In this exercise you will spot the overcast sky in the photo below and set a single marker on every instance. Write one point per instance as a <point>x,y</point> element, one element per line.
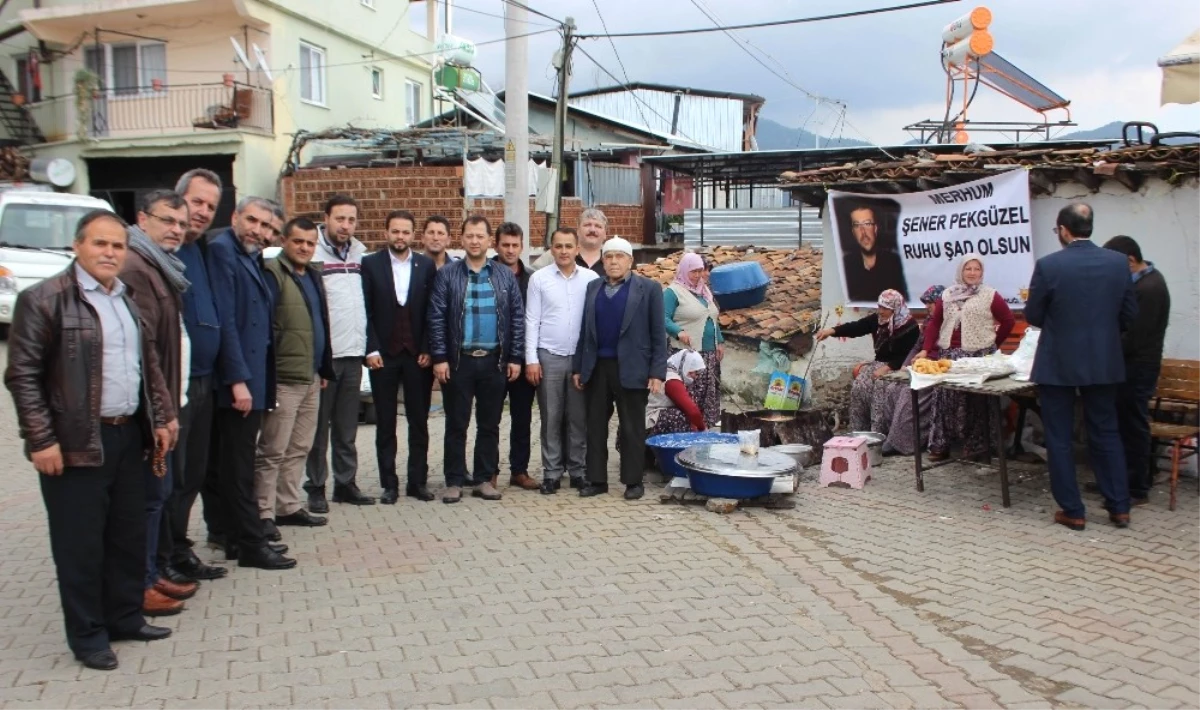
<point>1100,54</point>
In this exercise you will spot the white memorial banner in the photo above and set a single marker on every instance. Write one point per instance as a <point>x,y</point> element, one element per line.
<point>912,241</point>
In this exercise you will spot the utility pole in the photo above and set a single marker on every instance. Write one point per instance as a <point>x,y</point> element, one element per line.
<point>560,121</point>
<point>516,119</point>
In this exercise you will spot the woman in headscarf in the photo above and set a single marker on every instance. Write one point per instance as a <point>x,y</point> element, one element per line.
<point>895,334</point>
<point>891,407</point>
<point>691,317</point>
<point>673,411</point>
<point>970,320</point>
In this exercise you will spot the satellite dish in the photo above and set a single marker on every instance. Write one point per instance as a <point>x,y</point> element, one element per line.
<point>262,62</point>
<point>241,53</point>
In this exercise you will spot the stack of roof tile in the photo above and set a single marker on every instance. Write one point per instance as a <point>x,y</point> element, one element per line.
<point>793,303</point>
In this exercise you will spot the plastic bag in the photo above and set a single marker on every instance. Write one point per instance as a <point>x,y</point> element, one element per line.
<point>748,441</point>
<point>771,359</point>
<point>1022,359</point>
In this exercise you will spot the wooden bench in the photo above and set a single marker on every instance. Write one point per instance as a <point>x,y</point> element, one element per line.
<point>1178,387</point>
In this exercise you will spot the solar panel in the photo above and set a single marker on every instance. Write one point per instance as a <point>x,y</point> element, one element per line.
<point>1003,76</point>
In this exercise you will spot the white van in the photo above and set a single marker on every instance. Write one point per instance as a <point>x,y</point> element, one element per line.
<point>37,229</point>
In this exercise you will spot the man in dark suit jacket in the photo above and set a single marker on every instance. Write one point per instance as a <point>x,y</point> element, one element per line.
<point>397,283</point>
<point>621,359</point>
<point>1082,299</point>
<point>245,386</point>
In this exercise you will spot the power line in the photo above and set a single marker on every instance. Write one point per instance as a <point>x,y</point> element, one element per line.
<point>619,62</point>
<point>633,94</point>
<point>774,23</point>
<point>492,14</point>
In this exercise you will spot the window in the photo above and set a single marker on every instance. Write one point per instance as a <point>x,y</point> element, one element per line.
<point>412,102</point>
<point>129,69</point>
<point>377,82</point>
<point>29,84</point>
<point>312,74</point>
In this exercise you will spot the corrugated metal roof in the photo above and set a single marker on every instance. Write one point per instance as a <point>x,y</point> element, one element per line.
<point>788,228</point>
<point>716,123</point>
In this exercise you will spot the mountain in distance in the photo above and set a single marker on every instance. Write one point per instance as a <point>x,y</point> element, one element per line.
<point>776,136</point>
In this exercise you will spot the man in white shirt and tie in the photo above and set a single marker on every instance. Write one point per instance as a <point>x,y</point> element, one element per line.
<point>553,311</point>
<point>397,283</point>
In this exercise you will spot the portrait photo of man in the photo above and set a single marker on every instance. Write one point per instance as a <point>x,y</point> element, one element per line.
<point>870,261</point>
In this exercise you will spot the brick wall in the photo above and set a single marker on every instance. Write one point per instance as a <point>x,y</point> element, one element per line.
<point>426,191</point>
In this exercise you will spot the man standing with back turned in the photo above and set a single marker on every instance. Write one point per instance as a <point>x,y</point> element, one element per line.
<point>1082,299</point>
<point>87,390</point>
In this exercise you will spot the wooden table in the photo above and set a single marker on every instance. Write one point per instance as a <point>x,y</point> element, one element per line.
<point>993,390</point>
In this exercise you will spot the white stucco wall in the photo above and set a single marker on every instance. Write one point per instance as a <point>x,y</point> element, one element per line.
<point>1164,219</point>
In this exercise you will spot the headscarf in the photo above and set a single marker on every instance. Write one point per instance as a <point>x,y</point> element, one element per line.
<point>960,291</point>
<point>682,363</point>
<point>932,294</point>
<point>689,263</point>
<point>894,301</point>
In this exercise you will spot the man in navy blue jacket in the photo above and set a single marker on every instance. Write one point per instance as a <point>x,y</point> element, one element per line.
<point>245,382</point>
<point>1082,299</point>
<point>621,358</point>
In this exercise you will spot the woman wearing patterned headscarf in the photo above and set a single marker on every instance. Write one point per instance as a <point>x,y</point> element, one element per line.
<point>895,334</point>
<point>970,320</point>
<point>691,318</point>
<point>891,405</point>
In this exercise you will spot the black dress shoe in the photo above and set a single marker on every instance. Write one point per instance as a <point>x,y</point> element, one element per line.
<point>104,660</point>
<point>146,633</point>
<point>634,492</point>
<point>577,482</point>
<point>593,489</point>
<point>317,502</point>
<point>389,496</point>
<point>350,494</point>
<point>549,487</point>
<point>264,558</point>
<point>278,547</point>
<point>301,518</point>
<point>420,493</point>
<point>173,574</point>
<point>196,569</point>
<point>270,531</point>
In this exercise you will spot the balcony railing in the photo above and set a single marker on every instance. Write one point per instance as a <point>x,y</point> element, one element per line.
<point>157,110</point>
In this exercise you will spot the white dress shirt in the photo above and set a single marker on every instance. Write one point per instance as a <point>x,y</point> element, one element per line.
<point>121,351</point>
<point>554,311</point>
<point>401,275</point>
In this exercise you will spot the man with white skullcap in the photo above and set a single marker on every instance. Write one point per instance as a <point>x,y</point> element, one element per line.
<point>621,358</point>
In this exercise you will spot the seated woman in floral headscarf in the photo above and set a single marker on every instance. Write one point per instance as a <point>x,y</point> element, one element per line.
<point>895,336</point>
<point>673,411</point>
<point>891,407</point>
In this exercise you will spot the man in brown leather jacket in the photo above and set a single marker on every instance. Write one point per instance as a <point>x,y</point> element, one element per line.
<point>88,392</point>
<point>156,281</point>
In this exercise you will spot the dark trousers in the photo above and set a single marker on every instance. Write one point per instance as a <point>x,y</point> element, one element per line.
<point>1133,416</point>
<point>1105,453</point>
<point>337,427</point>
<point>520,415</point>
<point>97,536</point>
<point>604,390</point>
<point>477,383</point>
<point>239,441</point>
<point>402,372</point>
<point>190,466</point>
<point>157,492</point>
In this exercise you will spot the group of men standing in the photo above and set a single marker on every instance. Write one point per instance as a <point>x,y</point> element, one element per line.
<point>171,362</point>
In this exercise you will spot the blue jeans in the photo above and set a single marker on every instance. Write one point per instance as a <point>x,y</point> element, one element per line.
<point>157,492</point>
<point>1105,453</point>
<point>1133,416</point>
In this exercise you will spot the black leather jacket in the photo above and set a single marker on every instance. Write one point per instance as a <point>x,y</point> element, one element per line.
<point>447,314</point>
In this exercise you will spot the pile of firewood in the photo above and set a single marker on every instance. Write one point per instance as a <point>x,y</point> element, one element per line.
<point>13,165</point>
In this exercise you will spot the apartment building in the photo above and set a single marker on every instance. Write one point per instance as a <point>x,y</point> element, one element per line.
<point>134,92</point>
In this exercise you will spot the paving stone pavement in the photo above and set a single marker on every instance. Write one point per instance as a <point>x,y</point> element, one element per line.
<point>880,598</point>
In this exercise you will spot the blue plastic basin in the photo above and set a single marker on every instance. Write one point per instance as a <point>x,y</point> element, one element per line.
<point>739,285</point>
<point>716,485</point>
<point>666,446</point>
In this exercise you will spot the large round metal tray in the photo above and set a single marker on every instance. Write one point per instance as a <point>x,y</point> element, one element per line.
<point>728,460</point>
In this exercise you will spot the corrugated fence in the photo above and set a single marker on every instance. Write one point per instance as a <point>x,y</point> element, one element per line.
<point>775,229</point>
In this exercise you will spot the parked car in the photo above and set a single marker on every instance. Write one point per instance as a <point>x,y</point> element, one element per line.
<point>37,230</point>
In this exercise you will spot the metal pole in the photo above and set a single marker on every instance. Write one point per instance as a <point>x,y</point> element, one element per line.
<point>516,120</point>
<point>560,122</point>
<point>700,191</point>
